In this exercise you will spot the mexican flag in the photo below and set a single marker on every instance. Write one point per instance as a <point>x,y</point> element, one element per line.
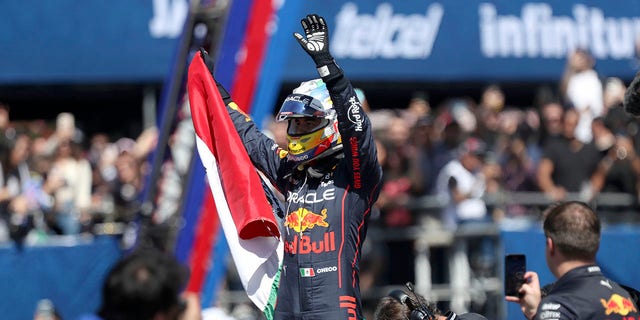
<point>243,209</point>
<point>307,272</point>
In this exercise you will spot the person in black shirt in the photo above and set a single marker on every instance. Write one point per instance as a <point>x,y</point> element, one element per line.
<point>567,163</point>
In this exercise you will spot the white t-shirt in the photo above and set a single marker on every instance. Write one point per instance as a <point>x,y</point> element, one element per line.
<point>468,183</point>
<point>584,91</point>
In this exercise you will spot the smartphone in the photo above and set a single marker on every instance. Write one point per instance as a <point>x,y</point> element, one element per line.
<point>515,265</point>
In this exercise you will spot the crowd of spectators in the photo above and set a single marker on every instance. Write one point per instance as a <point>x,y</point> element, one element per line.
<point>572,141</point>
<point>575,140</point>
<point>55,180</point>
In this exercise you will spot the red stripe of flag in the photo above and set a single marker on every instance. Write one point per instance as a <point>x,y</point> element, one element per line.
<point>251,212</point>
<point>254,48</point>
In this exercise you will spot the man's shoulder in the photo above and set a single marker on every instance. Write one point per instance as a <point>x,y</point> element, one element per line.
<point>551,308</point>
<point>567,296</point>
<point>586,296</point>
<point>633,293</point>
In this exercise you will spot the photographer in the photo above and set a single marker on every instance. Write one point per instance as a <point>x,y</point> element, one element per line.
<point>572,231</point>
<point>399,305</point>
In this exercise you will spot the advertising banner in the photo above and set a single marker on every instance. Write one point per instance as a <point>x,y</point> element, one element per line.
<point>474,40</point>
<point>76,41</point>
<point>375,40</point>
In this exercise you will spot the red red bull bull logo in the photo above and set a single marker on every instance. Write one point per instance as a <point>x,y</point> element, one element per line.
<point>303,219</point>
<point>304,244</point>
<point>618,304</point>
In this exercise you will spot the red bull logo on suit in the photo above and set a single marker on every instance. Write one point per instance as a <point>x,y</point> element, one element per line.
<point>618,304</point>
<point>303,219</point>
<point>304,244</point>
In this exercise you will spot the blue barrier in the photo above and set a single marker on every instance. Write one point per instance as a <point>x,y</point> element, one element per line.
<point>70,274</point>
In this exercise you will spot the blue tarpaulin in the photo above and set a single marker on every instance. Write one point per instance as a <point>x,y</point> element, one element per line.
<point>69,274</point>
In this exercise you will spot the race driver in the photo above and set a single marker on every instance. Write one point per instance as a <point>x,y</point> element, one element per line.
<point>330,177</point>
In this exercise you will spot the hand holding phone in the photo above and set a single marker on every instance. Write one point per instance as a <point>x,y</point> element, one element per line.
<point>515,266</point>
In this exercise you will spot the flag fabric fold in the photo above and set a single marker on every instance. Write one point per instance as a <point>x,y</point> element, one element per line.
<point>246,217</point>
<point>243,182</point>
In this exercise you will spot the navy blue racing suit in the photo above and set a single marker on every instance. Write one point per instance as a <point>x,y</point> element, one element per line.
<point>327,208</point>
<point>584,293</point>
